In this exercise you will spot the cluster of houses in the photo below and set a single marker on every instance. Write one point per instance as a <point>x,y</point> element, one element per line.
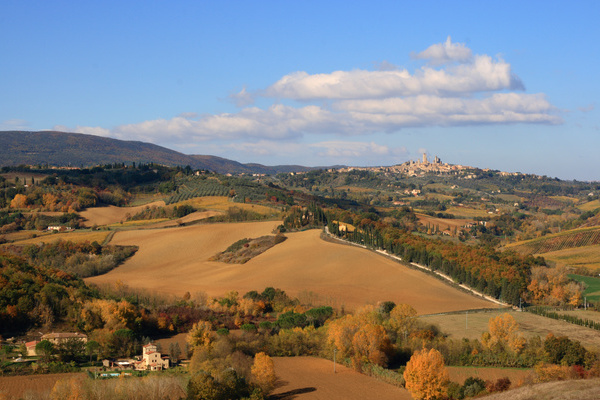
<point>56,339</point>
<point>150,360</point>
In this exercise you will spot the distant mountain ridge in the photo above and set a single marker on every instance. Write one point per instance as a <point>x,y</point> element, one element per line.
<point>82,150</point>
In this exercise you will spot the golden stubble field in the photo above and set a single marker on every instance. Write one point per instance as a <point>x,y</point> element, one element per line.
<point>112,214</point>
<point>174,261</point>
<point>471,326</point>
<point>39,386</point>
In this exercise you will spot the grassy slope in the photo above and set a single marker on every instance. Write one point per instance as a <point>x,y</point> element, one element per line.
<point>593,286</point>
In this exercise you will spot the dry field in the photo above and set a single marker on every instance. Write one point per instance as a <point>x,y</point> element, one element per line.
<point>22,235</point>
<point>443,223</point>
<point>467,212</point>
<point>587,389</point>
<point>180,338</point>
<point>112,214</point>
<point>460,374</point>
<point>193,217</point>
<point>587,256</point>
<point>222,203</point>
<point>18,386</point>
<point>583,314</point>
<point>73,236</point>
<point>308,378</point>
<point>471,326</point>
<point>175,260</point>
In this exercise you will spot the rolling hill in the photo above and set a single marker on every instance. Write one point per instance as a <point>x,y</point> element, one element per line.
<point>81,150</point>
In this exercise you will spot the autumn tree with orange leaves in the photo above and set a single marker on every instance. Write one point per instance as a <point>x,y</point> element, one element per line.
<point>263,373</point>
<point>361,337</point>
<point>426,375</point>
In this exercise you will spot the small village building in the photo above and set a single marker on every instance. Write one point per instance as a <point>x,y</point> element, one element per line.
<point>31,348</point>
<point>152,359</point>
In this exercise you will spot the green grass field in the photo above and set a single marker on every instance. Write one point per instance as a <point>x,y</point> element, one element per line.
<point>592,292</point>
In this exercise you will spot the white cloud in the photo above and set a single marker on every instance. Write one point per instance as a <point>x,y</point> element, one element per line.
<point>483,74</point>
<point>426,110</point>
<point>443,53</point>
<point>455,88</point>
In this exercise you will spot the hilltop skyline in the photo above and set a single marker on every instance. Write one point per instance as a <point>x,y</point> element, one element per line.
<point>506,85</point>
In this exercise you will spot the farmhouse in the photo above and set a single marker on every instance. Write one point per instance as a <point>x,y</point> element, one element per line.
<point>151,359</point>
<point>57,228</point>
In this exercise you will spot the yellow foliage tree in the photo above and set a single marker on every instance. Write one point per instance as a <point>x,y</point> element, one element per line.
<point>19,201</point>
<point>341,332</point>
<point>371,344</point>
<point>263,373</point>
<point>50,201</point>
<point>426,375</point>
<point>502,332</point>
<point>200,334</point>
<point>402,319</point>
<point>552,372</point>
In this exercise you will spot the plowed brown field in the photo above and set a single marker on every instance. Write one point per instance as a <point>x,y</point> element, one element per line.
<point>174,260</point>
<point>308,378</point>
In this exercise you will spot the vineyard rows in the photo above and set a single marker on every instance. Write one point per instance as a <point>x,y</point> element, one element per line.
<point>187,191</point>
<point>202,188</point>
<point>567,241</point>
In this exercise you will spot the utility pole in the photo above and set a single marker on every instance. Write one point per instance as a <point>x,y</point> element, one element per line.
<point>467,321</point>
<point>334,351</point>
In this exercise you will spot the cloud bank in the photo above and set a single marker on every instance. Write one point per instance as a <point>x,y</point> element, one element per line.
<point>453,87</point>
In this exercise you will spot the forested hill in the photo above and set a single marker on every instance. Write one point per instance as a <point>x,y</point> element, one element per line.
<point>77,150</point>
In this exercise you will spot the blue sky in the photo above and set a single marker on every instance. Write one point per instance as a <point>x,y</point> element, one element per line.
<point>508,85</point>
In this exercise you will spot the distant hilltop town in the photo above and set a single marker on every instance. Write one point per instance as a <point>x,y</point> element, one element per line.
<point>422,167</point>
